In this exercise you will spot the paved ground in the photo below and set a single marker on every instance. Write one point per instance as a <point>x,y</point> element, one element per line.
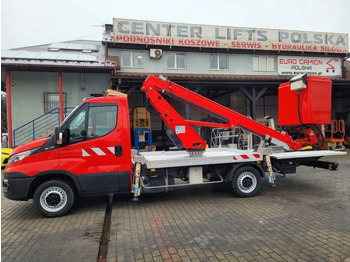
<point>27,236</point>
<point>306,218</point>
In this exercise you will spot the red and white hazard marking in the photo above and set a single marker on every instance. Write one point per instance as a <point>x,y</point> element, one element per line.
<point>97,151</point>
<point>247,157</point>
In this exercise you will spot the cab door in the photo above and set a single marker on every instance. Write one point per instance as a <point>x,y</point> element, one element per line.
<point>94,151</point>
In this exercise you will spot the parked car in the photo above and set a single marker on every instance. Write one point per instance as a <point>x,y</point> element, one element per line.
<point>5,153</point>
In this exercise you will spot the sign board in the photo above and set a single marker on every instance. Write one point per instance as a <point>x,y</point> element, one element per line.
<point>207,36</point>
<point>319,66</point>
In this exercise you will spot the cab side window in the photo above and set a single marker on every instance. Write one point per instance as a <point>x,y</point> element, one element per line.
<point>92,121</point>
<point>101,120</point>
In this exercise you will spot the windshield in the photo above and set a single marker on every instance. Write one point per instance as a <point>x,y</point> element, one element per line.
<point>76,126</point>
<point>70,114</point>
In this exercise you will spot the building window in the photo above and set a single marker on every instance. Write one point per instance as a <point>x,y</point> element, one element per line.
<point>218,62</point>
<point>175,61</point>
<point>132,59</point>
<point>52,101</point>
<point>264,63</point>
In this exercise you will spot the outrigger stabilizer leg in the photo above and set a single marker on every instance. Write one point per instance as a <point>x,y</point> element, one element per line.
<point>137,189</point>
<point>262,149</point>
<point>269,169</point>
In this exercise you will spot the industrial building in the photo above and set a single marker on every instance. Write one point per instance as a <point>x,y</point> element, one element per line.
<point>238,67</point>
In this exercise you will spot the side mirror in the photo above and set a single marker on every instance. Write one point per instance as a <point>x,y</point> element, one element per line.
<point>61,136</point>
<point>58,135</point>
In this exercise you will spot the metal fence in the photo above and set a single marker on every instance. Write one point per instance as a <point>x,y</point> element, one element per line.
<point>39,126</point>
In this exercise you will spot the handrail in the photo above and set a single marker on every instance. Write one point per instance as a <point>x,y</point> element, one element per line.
<point>38,126</point>
<point>50,112</point>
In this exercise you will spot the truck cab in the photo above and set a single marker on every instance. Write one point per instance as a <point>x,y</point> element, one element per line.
<point>88,154</point>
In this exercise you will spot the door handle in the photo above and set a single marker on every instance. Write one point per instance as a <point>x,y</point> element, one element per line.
<point>118,150</point>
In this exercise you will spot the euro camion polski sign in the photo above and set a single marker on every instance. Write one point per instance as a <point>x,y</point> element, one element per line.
<point>208,36</point>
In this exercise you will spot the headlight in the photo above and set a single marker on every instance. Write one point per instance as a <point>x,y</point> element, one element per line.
<point>20,156</point>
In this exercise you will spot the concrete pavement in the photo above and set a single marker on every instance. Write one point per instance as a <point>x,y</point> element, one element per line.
<point>27,236</point>
<point>306,218</point>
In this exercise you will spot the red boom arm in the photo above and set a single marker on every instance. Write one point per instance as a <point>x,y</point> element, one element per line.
<point>155,87</point>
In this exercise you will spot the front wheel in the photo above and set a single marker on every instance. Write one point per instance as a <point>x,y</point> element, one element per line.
<point>53,198</point>
<point>246,181</point>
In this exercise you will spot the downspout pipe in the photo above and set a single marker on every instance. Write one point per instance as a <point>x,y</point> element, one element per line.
<point>60,92</point>
<point>9,108</point>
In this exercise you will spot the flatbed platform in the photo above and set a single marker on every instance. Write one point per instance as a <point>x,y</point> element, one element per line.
<point>167,159</point>
<point>306,154</point>
<point>164,159</point>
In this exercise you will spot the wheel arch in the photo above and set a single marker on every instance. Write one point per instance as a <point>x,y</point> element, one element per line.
<point>54,175</point>
<point>234,168</point>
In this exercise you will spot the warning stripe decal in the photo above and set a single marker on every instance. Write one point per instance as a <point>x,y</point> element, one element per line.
<point>84,153</point>
<point>97,151</point>
<point>111,149</point>
<point>246,157</point>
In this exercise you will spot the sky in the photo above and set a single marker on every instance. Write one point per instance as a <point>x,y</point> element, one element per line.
<point>36,22</point>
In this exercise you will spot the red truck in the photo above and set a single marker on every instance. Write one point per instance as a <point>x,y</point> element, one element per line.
<point>91,153</point>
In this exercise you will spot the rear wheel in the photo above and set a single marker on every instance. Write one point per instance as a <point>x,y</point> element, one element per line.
<point>246,181</point>
<point>53,198</point>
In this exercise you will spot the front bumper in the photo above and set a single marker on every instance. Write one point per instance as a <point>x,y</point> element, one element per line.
<point>16,186</point>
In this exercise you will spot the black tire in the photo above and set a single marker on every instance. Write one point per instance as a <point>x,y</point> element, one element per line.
<point>246,182</point>
<point>53,198</point>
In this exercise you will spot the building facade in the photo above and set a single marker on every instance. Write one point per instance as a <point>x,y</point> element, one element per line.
<point>238,67</point>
